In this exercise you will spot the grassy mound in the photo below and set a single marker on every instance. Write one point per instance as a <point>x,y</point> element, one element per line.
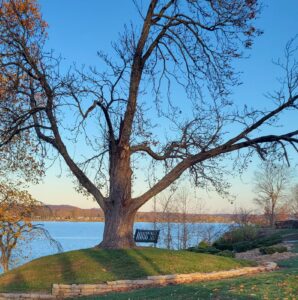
<point>96,265</point>
<point>281,284</point>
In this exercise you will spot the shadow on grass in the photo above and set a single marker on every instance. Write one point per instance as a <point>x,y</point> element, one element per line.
<point>148,260</point>
<point>68,272</point>
<point>119,264</point>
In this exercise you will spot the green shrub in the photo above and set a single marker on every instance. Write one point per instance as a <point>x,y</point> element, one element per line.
<point>231,242</point>
<point>273,249</point>
<point>240,234</point>
<point>223,245</point>
<point>244,246</point>
<point>260,242</point>
<point>212,250</point>
<point>209,250</point>
<point>191,248</point>
<point>238,247</point>
<point>270,240</point>
<point>236,235</point>
<point>203,244</point>
<point>226,253</point>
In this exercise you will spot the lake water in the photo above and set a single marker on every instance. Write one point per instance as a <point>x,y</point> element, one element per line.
<point>79,235</point>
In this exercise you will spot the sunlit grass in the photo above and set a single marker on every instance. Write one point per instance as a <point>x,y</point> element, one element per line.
<point>95,266</point>
<point>278,285</point>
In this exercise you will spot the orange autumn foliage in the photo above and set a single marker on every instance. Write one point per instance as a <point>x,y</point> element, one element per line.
<point>22,12</point>
<point>16,210</point>
<point>15,205</point>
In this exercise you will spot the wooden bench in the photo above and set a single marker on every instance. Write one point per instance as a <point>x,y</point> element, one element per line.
<point>146,236</point>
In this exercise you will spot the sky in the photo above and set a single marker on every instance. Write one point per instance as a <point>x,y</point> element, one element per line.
<point>78,29</point>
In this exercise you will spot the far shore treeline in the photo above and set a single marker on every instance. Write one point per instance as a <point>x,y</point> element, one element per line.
<point>72,213</point>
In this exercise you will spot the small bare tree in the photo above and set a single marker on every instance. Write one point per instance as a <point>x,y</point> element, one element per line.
<point>243,216</point>
<point>16,226</point>
<point>167,205</point>
<point>183,212</point>
<point>185,229</point>
<point>271,182</point>
<point>210,232</point>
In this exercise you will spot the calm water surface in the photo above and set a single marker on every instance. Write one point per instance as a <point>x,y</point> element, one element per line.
<point>79,235</point>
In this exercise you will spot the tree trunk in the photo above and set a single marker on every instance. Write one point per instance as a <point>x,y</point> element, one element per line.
<point>272,220</point>
<point>272,215</point>
<point>5,267</point>
<point>119,215</point>
<point>118,231</point>
<point>5,264</point>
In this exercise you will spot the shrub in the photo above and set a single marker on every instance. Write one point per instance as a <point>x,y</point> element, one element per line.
<point>209,250</point>
<point>226,253</point>
<point>223,245</point>
<point>231,242</point>
<point>274,249</point>
<point>212,250</point>
<point>203,244</point>
<point>270,240</point>
<point>244,246</point>
<point>236,235</point>
<point>240,234</point>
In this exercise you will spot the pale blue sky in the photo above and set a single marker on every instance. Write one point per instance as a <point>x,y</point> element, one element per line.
<point>78,29</point>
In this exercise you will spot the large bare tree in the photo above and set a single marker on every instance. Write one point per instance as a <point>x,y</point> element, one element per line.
<point>126,112</point>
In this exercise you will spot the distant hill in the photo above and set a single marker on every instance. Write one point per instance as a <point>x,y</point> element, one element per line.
<point>67,212</point>
<point>72,213</point>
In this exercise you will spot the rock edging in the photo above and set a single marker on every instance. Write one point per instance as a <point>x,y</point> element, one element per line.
<point>21,296</point>
<point>60,291</point>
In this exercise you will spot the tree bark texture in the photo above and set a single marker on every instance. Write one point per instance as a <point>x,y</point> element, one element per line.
<point>119,214</point>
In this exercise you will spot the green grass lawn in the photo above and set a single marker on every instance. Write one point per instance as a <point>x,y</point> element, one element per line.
<point>96,265</point>
<point>278,285</point>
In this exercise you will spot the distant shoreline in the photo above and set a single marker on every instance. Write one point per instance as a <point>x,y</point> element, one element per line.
<point>137,221</point>
<point>67,213</point>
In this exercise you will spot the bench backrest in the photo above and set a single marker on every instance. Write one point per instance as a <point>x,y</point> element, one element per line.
<point>146,236</point>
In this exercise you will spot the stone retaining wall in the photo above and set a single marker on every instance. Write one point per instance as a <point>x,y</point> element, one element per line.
<point>19,296</point>
<point>61,291</point>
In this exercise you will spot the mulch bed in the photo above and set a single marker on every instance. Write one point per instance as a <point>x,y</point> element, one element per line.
<point>258,257</point>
